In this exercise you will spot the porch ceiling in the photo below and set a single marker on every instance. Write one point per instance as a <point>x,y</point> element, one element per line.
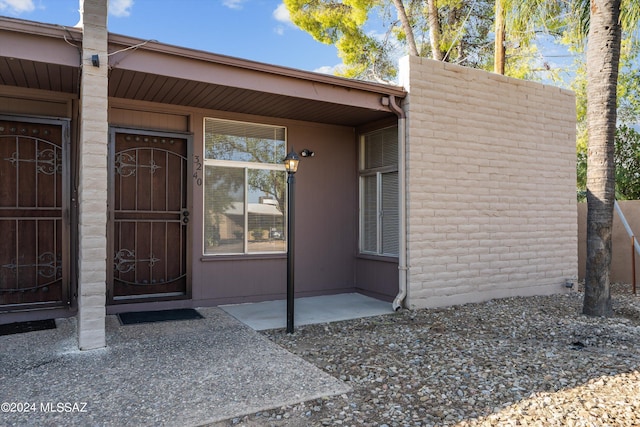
<point>170,90</point>
<point>38,75</point>
<point>47,57</point>
<point>143,86</point>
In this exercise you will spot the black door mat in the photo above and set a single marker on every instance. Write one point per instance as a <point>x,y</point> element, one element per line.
<point>21,327</point>
<point>135,317</point>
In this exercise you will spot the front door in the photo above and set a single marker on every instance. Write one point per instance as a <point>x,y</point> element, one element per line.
<point>148,215</point>
<point>34,199</point>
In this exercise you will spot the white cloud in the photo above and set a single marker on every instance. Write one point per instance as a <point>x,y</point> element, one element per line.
<point>233,4</point>
<point>120,8</point>
<point>328,69</point>
<point>16,6</point>
<point>281,14</point>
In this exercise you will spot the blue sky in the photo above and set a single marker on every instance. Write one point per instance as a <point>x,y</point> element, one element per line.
<point>259,30</point>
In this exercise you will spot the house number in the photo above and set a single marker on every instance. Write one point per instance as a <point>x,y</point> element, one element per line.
<point>197,170</point>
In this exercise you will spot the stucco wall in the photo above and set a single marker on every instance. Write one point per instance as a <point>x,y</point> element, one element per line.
<point>325,227</point>
<point>16,102</point>
<point>326,215</point>
<point>621,268</point>
<point>491,185</point>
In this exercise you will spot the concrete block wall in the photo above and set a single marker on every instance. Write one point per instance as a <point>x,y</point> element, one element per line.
<point>491,185</point>
<point>92,188</point>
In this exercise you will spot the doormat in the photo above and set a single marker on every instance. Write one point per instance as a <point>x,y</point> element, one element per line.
<point>135,317</point>
<point>22,327</point>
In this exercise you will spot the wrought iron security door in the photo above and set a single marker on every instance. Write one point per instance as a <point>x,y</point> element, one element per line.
<point>148,217</point>
<point>33,202</point>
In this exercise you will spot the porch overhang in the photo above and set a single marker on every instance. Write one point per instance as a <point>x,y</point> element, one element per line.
<point>47,57</point>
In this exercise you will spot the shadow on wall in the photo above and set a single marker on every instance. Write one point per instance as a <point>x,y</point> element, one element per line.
<point>621,271</point>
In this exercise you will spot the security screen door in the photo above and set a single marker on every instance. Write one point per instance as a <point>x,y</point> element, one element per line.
<point>149,220</point>
<point>34,199</point>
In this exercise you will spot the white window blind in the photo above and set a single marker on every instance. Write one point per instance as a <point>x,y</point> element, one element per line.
<point>379,201</point>
<point>390,214</point>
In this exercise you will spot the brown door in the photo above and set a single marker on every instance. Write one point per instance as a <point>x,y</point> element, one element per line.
<point>148,217</point>
<point>33,204</point>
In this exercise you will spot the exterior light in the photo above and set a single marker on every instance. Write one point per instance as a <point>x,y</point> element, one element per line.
<point>291,162</point>
<point>291,165</point>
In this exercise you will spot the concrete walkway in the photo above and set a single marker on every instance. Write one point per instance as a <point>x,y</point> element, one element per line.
<point>180,373</point>
<point>307,311</point>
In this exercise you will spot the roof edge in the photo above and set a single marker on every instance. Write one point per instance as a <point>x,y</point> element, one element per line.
<point>38,28</point>
<point>156,46</point>
<point>62,31</point>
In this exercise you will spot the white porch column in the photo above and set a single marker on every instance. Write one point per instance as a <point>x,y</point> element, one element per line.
<point>92,190</point>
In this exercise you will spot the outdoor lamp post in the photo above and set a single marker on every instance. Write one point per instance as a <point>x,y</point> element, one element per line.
<point>291,165</point>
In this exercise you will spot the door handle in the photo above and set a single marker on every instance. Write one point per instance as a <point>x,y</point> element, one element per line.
<point>185,216</point>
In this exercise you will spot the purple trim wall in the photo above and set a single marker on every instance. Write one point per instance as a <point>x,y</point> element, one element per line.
<point>377,278</point>
<point>326,228</point>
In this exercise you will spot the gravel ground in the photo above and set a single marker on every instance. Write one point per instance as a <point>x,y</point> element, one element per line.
<point>516,361</point>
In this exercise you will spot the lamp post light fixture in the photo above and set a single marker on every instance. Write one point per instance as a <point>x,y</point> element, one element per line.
<point>291,166</point>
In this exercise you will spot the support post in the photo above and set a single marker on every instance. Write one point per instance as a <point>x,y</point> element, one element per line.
<point>290,251</point>
<point>633,262</point>
<point>93,172</point>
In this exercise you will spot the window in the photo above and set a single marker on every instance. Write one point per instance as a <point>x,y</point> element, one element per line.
<point>244,188</point>
<point>379,212</point>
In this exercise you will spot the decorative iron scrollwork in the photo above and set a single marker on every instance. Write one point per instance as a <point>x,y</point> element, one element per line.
<point>126,165</point>
<point>48,266</point>
<point>125,261</point>
<point>48,161</point>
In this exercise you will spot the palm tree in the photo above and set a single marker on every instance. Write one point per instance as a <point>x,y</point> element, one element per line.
<point>603,58</point>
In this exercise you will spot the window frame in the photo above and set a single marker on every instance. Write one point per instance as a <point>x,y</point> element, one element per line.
<point>378,172</point>
<point>246,166</point>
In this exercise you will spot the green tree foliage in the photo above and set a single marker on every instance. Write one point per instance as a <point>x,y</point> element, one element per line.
<point>627,161</point>
<point>461,32</point>
<point>464,29</point>
<point>627,164</point>
<point>341,23</point>
<point>629,83</point>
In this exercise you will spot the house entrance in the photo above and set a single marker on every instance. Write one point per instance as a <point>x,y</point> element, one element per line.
<point>148,217</point>
<point>34,213</point>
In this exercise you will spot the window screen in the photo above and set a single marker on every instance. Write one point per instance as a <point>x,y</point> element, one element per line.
<point>245,188</point>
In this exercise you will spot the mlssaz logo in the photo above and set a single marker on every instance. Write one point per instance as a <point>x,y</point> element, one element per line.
<point>63,407</point>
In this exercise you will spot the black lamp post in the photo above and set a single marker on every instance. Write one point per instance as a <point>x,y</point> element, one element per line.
<point>291,165</point>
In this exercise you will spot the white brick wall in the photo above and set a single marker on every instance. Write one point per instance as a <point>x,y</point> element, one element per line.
<point>491,185</point>
<point>92,190</point>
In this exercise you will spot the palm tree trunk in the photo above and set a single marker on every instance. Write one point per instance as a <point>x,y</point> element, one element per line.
<point>603,58</point>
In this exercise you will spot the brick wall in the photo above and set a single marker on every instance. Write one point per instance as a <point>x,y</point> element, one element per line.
<point>92,188</point>
<point>491,185</point>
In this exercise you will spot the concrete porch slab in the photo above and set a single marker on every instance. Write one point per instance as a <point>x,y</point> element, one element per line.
<point>186,373</point>
<point>307,311</point>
